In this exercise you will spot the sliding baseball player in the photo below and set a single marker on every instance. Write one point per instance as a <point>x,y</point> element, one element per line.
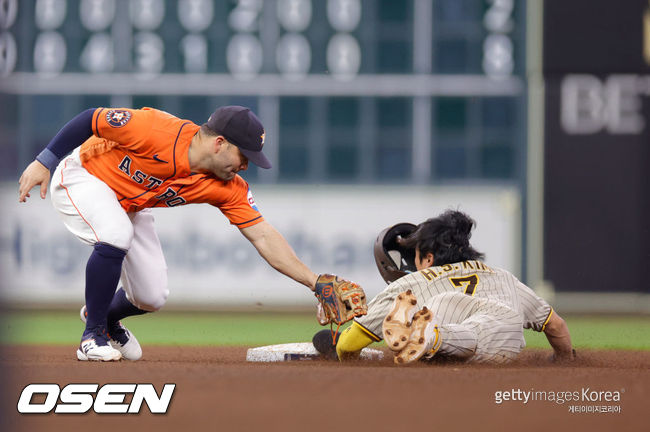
<point>452,304</point>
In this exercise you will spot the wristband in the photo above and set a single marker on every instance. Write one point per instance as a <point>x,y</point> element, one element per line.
<point>48,159</point>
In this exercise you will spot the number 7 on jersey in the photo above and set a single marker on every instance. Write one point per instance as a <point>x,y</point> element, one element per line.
<point>467,282</point>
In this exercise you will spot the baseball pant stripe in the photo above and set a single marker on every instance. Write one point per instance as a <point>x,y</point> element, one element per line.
<point>74,205</point>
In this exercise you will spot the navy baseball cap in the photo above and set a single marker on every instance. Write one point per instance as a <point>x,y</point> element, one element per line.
<point>240,126</point>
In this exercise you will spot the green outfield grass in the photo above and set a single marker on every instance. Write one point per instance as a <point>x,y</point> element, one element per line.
<point>253,329</point>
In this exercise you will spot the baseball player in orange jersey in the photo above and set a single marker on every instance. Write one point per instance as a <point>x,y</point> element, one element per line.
<point>125,161</point>
<point>443,301</point>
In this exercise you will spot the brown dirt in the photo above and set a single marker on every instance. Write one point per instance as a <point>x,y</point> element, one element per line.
<point>218,390</point>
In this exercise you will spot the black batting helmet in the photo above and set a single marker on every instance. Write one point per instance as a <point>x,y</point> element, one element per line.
<point>393,259</point>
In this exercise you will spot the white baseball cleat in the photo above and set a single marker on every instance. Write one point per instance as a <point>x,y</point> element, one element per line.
<point>396,328</point>
<point>120,338</point>
<point>125,342</point>
<point>94,346</point>
<point>424,339</point>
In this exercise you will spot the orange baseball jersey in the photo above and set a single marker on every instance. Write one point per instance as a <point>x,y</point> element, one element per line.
<point>143,156</point>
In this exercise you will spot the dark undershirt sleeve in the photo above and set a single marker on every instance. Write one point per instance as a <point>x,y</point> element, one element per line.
<point>71,136</point>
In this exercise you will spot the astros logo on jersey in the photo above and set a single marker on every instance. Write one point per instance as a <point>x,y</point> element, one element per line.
<point>118,118</point>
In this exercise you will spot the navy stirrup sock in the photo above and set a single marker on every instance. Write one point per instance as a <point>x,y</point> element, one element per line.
<point>121,307</point>
<point>102,276</point>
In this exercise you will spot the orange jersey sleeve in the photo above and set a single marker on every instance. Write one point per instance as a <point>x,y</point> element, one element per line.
<point>240,207</point>
<point>128,127</point>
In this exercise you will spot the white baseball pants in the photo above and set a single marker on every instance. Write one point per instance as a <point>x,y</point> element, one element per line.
<point>477,329</point>
<point>91,211</point>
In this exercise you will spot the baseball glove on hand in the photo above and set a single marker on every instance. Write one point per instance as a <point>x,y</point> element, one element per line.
<point>340,300</point>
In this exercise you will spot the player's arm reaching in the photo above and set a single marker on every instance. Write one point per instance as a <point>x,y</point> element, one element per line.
<point>273,247</point>
<point>92,121</point>
<point>541,317</point>
<point>71,136</point>
<point>557,333</point>
<point>340,300</point>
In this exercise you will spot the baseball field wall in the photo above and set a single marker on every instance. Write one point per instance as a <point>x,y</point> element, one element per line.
<point>597,145</point>
<point>331,228</point>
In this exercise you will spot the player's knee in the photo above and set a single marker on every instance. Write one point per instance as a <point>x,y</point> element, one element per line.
<point>152,302</point>
<point>120,238</point>
<point>154,299</point>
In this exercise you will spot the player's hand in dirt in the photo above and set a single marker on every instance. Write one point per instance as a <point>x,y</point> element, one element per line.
<point>35,174</point>
<point>566,357</point>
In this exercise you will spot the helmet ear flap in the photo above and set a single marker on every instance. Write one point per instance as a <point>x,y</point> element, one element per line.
<point>392,257</point>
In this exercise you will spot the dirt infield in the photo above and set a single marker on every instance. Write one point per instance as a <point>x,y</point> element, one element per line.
<point>216,389</point>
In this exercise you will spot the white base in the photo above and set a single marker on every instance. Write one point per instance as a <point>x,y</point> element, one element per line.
<point>298,351</point>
